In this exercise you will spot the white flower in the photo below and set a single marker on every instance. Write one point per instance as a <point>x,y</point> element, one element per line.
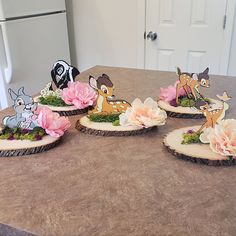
<point>144,115</point>
<point>46,92</point>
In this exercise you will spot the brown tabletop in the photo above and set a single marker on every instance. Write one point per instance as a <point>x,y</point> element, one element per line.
<point>91,185</point>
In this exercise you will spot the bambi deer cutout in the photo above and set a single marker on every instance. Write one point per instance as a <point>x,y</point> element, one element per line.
<point>191,82</point>
<point>105,89</point>
<point>213,116</point>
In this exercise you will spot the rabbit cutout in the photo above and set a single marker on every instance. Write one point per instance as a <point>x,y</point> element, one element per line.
<point>24,107</point>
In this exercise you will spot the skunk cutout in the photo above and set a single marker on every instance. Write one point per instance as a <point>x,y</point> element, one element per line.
<point>61,74</point>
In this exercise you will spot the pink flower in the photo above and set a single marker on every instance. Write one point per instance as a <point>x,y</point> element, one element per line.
<point>54,124</point>
<point>143,115</point>
<point>81,95</point>
<point>222,138</point>
<point>168,94</point>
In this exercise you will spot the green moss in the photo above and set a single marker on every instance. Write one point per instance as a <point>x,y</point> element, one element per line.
<point>104,118</point>
<point>22,134</point>
<point>186,102</point>
<point>52,101</point>
<point>189,102</point>
<point>191,137</point>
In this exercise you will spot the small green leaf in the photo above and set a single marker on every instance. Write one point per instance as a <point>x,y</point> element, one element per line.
<point>116,123</point>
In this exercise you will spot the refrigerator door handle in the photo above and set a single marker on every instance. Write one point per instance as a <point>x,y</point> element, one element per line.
<point>8,68</point>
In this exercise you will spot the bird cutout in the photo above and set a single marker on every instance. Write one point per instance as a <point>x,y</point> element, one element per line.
<point>24,107</point>
<point>106,102</point>
<point>213,115</point>
<point>225,97</point>
<point>191,83</point>
<point>61,74</point>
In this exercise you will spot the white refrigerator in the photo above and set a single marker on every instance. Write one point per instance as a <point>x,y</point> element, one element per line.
<point>33,35</point>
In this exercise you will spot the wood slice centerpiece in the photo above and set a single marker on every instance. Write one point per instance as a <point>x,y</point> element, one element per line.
<point>197,153</point>
<point>184,112</point>
<point>10,148</point>
<point>64,110</point>
<point>85,125</point>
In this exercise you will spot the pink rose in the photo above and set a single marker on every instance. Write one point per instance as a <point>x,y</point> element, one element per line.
<point>222,138</point>
<point>143,115</point>
<point>168,94</point>
<point>54,124</point>
<point>81,95</point>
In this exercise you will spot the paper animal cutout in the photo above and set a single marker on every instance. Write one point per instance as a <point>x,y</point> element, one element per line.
<point>191,82</point>
<point>105,88</point>
<point>213,116</point>
<point>61,74</point>
<point>24,107</point>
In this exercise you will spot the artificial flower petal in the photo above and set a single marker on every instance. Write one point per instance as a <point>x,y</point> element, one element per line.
<point>81,95</point>
<point>54,124</point>
<point>222,138</point>
<point>168,94</point>
<point>143,115</point>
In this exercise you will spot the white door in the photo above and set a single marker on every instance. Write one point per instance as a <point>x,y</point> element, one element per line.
<point>190,34</point>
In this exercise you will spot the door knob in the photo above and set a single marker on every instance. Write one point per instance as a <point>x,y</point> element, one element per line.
<point>152,36</point>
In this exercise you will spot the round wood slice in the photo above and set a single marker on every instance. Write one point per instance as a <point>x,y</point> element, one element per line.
<point>10,148</point>
<point>184,112</point>
<point>197,153</point>
<point>107,129</point>
<point>64,111</point>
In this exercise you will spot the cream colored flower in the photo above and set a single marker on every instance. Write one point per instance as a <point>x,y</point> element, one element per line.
<point>144,115</point>
<point>46,92</point>
<point>222,138</point>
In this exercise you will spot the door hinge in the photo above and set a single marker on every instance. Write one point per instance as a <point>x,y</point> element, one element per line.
<point>224,21</point>
<point>145,35</point>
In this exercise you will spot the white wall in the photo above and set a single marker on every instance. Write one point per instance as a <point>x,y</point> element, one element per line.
<point>232,64</point>
<point>113,23</point>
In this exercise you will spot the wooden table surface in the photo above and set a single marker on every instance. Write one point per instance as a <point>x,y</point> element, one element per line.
<point>92,185</point>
